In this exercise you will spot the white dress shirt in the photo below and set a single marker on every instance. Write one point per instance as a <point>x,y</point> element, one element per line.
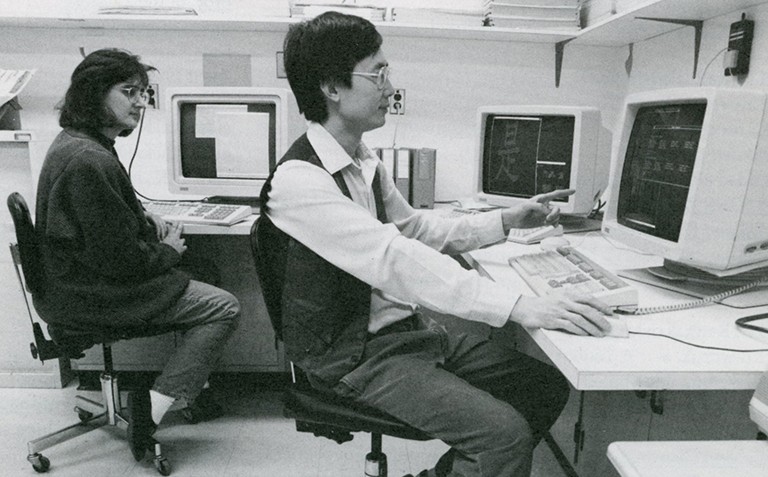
<point>401,260</point>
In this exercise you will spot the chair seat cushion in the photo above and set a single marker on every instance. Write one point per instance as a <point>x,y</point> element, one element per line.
<point>73,342</point>
<point>318,407</point>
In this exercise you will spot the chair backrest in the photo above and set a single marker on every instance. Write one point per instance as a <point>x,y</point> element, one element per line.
<point>269,272</point>
<point>29,248</point>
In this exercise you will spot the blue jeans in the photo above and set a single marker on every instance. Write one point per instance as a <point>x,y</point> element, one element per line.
<point>206,316</point>
<point>489,404</point>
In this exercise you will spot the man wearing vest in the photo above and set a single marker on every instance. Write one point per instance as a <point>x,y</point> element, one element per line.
<point>354,263</point>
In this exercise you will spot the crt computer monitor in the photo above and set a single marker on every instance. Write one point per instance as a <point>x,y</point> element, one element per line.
<point>688,178</point>
<point>526,150</point>
<point>223,141</point>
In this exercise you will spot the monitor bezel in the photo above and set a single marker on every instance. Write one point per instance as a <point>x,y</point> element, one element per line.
<point>177,182</point>
<point>586,143</point>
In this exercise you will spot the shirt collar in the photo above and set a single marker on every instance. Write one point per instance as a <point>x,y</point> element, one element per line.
<point>334,158</point>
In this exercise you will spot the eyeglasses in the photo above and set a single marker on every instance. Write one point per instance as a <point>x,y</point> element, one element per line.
<point>134,93</point>
<point>380,78</point>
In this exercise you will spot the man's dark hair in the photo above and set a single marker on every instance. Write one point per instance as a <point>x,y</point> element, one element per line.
<point>325,50</point>
<point>83,107</point>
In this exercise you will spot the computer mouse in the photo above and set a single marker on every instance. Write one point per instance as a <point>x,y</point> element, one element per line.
<point>551,243</point>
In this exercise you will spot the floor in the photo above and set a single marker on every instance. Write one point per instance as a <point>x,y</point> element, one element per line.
<point>253,439</point>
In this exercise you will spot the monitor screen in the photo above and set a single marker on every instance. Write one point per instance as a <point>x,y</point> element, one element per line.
<point>658,168</point>
<point>688,178</point>
<point>529,150</point>
<point>225,141</point>
<point>527,155</point>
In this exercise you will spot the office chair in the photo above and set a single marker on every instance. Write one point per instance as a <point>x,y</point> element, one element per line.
<point>66,344</point>
<point>325,414</point>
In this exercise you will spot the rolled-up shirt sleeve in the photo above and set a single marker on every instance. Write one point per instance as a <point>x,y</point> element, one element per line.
<point>402,258</point>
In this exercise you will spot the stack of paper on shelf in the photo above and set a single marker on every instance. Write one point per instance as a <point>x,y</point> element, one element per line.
<point>473,13</point>
<point>312,8</point>
<point>538,15</point>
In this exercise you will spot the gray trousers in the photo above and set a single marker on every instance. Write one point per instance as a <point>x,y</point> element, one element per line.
<point>489,404</point>
<point>207,316</point>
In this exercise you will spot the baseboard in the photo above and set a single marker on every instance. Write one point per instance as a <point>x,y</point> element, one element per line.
<point>51,376</point>
<point>31,380</point>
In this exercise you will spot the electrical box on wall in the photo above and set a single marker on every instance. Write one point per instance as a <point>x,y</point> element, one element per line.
<point>739,47</point>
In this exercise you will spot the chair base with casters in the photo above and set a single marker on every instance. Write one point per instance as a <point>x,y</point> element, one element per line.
<point>93,415</point>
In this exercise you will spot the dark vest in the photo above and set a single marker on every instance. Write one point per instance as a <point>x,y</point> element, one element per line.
<point>319,311</point>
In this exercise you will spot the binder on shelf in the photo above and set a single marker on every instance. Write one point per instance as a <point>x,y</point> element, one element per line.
<point>387,156</point>
<point>413,171</point>
<point>423,178</point>
<point>403,172</point>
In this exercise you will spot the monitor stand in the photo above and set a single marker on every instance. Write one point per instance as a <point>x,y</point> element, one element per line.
<point>579,223</point>
<point>690,281</point>
<point>234,200</point>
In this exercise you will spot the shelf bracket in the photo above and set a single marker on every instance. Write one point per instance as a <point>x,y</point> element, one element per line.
<point>559,47</point>
<point>697,27</point>
<point>630,60</point>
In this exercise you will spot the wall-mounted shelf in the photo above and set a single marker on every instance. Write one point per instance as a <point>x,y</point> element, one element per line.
<point>616,30</point>
<point>623,28</point>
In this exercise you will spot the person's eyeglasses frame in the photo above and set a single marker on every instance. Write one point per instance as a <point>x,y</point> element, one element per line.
<point>135,93</point>
<point>379,78</point>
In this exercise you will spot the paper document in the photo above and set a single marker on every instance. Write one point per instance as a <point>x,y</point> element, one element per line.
<point>12,82</point>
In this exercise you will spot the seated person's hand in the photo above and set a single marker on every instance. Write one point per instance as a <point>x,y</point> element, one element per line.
<point>575,313</point>
<point>535,212</point>
<point>174,239</point>
<point>161,226</point>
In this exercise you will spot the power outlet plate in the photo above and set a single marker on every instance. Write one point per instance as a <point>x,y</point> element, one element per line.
<point>153,90</point>
<point>397,102</point>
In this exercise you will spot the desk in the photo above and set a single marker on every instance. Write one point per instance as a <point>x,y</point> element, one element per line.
<point>252,347</point>
<point>690,458</point>
<point>705,392</point>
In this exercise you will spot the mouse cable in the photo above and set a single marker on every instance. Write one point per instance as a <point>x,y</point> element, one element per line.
<point>133,157</point>
<point>716,348</point>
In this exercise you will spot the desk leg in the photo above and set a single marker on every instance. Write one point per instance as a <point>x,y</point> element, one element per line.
<point>578,430</point>
<point>562,460</point>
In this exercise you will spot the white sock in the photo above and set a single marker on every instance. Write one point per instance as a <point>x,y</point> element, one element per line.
<point>160,405</point>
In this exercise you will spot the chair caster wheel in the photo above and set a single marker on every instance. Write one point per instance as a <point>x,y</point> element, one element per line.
<point>161,463</point>
<point>163,466</point>
<point>40,463</point>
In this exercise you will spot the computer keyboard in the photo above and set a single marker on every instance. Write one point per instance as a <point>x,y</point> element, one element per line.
<point>534,234</point>
<point>565,268</point>
<point>199,212</point>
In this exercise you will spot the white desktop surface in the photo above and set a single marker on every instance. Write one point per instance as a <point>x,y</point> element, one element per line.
<point>690,458</point>
<point>642,362</point>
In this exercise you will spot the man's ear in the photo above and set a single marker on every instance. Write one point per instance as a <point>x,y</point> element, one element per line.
<point>330,91</point>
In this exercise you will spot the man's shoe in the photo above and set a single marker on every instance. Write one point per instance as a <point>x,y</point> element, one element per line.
<point>204,408</point>
<point>140,424</point>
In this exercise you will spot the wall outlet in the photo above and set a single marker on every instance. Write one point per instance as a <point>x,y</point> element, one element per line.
<point>153,90</point>
<point>397,102</point>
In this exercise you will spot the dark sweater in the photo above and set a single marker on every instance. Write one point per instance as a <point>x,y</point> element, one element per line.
<point>104,264</point>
